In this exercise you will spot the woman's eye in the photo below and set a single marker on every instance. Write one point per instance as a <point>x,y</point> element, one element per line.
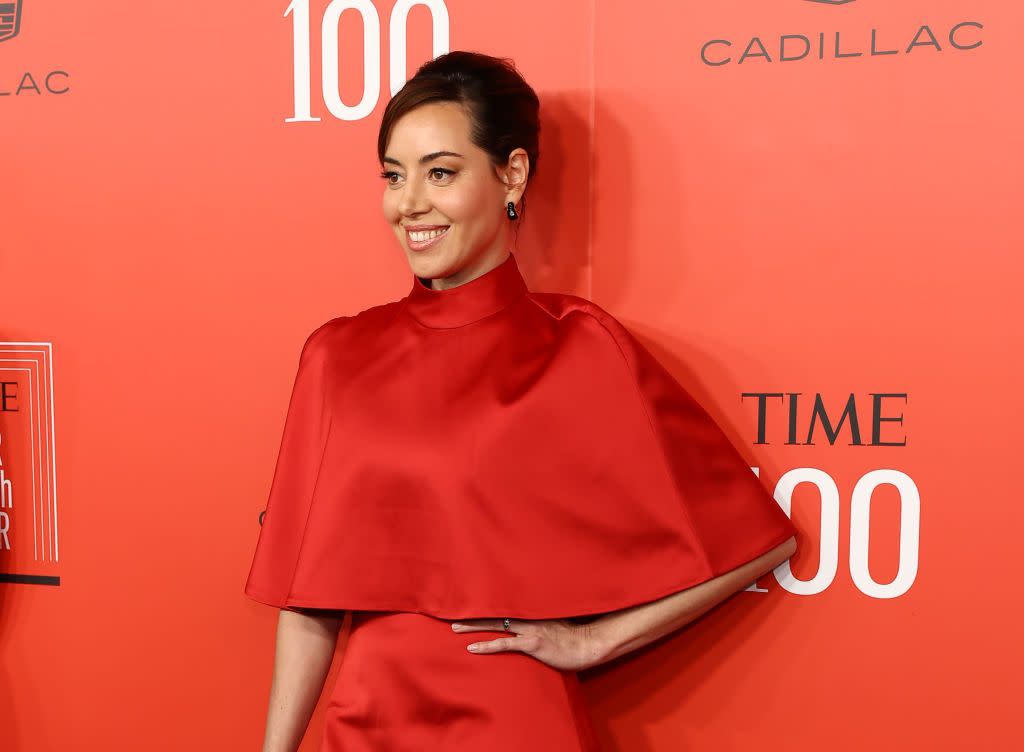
<point>388,174</point>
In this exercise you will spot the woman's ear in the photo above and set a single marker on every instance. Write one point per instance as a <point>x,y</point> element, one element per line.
<point>515,174</point>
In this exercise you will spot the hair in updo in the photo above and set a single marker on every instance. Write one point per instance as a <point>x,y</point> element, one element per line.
<point>503,110</point>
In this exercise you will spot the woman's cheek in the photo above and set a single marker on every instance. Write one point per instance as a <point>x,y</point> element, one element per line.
<point>459,205</point>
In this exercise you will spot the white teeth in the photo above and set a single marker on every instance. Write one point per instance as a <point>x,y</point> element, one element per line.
<point>419,237</point>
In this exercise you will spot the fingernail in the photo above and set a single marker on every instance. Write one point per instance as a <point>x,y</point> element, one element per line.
<point>456,626</point>
<point>474,647</point>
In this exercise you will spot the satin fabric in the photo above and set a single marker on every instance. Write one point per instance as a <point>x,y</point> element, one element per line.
<point>486,451</point>
<point>406,683</point>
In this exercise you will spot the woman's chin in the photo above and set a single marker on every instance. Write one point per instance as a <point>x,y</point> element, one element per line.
<point>423,264</point>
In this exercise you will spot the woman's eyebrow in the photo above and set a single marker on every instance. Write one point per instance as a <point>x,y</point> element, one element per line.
<point>426,157</point>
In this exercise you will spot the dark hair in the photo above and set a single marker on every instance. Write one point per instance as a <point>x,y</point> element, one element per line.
<point>503,111</point>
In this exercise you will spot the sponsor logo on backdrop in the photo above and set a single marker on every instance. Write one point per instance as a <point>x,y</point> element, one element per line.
<point>853,40</point>
<point>27,82</point>
<point>876,421</point>
<point>10,20</point>
<point>29,550</point>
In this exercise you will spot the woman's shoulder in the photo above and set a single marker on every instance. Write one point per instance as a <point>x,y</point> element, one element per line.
<point>577,311</point>
<point>351,325</point>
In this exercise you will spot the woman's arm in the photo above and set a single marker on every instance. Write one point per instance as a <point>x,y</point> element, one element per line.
<point>305,646</point>
<point>622,631</point>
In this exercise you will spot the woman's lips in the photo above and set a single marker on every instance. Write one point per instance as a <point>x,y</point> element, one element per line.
<point>422,245</point>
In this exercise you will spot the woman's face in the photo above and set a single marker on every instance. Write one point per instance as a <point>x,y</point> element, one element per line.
<point>459,192</point>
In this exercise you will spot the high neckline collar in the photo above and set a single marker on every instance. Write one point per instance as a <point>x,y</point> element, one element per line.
<point>471,301</point>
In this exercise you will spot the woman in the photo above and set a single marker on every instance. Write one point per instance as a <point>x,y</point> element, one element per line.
<point>478,464</point>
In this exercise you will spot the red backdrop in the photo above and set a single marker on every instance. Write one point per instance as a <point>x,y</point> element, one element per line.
<point>833,228</point>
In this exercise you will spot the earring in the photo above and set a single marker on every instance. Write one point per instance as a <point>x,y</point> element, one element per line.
<point>511,208</point>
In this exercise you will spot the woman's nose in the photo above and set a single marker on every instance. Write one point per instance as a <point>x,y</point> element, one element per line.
<point>413,201</point>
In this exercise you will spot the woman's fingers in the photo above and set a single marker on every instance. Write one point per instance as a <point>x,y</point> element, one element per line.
<point>487,625</point>
<point>496,646</point>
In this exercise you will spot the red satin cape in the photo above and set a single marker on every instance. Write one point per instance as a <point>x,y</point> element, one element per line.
<point>488,450</point>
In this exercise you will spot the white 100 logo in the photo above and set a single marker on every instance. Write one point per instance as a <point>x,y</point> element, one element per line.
<point>860,519</point>
<point>299,11</point>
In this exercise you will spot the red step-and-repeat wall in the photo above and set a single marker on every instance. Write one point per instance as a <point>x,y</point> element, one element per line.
<point>803,207</point>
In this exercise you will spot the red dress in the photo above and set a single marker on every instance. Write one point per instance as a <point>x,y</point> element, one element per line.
<point>479,452</point>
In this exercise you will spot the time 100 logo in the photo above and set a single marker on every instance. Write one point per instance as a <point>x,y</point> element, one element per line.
<point>860,519</point>
<point>329,25</point>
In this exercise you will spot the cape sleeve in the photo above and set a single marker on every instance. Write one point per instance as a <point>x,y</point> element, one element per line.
<point>582,477</point>
<point>731,517</point>
<point>307,423</point>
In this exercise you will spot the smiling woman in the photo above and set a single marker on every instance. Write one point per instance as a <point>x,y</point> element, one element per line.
<point>454,160</point>
<point>477,471</point>
<point>456,190</point>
